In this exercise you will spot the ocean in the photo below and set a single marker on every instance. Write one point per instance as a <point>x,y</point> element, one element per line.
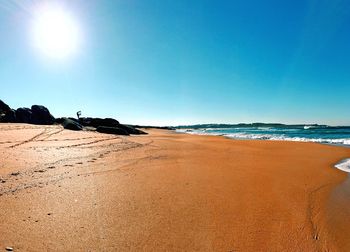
<point>336,135</point>
<point>339,135</point>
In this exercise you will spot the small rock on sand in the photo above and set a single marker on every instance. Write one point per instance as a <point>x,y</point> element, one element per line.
<point>9,249</point>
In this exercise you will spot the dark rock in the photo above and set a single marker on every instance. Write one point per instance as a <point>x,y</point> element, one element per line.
<point>85,121</point>
<point>60,120</point>
<point>4,107</point>
<point>73,119</point>
<point>112,130</point>
<point>71,125</point>
<point>153,127</point>
<point>41,115</point>
<point>109,123</point>
<point>10,116</point>
<point>131,130</point>
<point>96,122</point>
<point>23,115</point>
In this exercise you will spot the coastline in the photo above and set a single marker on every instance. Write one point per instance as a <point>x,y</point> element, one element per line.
<point>343,164</point>
<point>324,134</point>
<point>168,191</point>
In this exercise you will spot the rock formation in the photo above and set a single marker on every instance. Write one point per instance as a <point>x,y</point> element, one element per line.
<point>4,108</point>
<point>39,114</point>
<point>112,130</point>
<point>23,115</point>
<point>71,124</point>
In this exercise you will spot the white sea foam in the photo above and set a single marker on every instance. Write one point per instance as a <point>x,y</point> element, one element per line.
<point>344,165</point>
<point>249,136</point>
<point>273,137</point>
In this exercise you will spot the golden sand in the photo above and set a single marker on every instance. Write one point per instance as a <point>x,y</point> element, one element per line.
<point>84,191</point>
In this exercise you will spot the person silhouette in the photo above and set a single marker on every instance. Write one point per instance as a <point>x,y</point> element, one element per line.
<point>78,114</point>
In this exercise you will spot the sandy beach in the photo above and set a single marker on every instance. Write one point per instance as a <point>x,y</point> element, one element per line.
<point>63,190</point>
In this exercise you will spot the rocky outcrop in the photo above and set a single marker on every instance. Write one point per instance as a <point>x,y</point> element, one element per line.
<point>70,124</point>
<point>131,130</point>
<point>112,130</point>
<point>10,116</point>
<point>37,114</point>
<point>4,107</point>
<point>96,122</point>
<point>102,125</point>
<point>41,115</point>
<point>23,115</point>
<point>105,124</point>
<point>153,127</point>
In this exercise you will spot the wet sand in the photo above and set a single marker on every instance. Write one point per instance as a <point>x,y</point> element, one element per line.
<point>62,190</point>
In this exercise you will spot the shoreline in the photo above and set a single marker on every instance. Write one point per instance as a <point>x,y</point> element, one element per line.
<point>168,191</point>
<point>269,136</point>
<point>343,164</point>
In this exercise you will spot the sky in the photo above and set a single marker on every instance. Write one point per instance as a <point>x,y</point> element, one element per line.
<point>179,62</point>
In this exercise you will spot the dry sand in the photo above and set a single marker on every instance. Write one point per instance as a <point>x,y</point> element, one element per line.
<point>83,191</point>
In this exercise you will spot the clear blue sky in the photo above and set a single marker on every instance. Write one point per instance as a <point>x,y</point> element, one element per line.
<point>172,62</point>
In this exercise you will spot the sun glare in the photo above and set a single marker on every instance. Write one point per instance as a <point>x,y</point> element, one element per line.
<point>55,32</point>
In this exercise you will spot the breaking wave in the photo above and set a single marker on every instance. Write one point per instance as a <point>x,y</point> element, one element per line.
<point>278,132</point>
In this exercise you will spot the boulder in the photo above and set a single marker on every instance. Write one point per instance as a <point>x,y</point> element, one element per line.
<point>23,115</point>
<point>131,130</point>
<point>60,120</point>
<point>96,122</point>
<point>41,115</point>
<point>112,130</point>
<point>4,107</point>
<point>75,120</point>
<point>10,116</point>
<point>71,125</point>
<point>153,127</point>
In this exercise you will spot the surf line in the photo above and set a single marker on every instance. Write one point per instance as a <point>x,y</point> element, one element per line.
<point>343,165</point>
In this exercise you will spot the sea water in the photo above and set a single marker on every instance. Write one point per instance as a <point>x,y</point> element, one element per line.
<point>337,135</point>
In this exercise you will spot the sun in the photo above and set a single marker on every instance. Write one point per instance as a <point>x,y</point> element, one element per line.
<point>55,32</point>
